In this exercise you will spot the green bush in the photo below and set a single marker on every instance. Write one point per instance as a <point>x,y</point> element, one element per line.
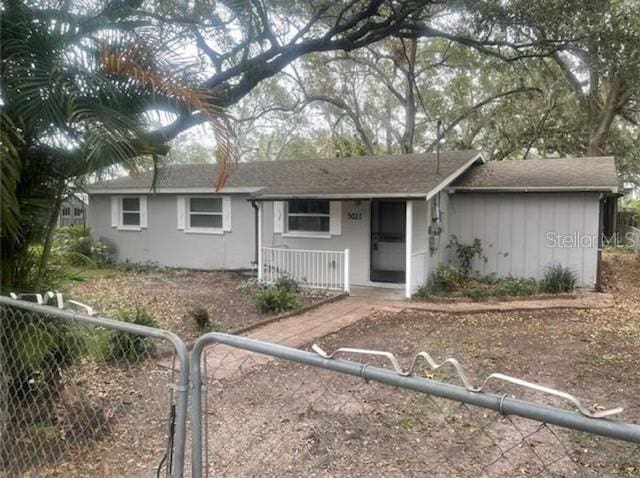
<point>558,279</point>
<point>75,245</point>
<point>512,286</point>
<point>447,278</point>
<point>37,350</point>
<point>274,300</point>
<point>287,283</point>
<point>124,346</point>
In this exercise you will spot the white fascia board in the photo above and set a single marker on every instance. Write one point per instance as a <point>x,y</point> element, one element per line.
<point>537,189</point>
<point>338,196</point>
<point>211,190</point>
<point>453,176</point>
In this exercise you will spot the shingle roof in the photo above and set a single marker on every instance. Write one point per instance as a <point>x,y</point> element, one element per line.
<point>367,176</point>
<point>570,174</point>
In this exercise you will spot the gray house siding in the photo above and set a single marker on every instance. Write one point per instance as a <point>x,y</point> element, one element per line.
<point>162,242</point>
<point>521,233</point>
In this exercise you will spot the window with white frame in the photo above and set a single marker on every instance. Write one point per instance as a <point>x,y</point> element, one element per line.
<point>66,212</point>
<point>130,211</point>
<point>205,213</point>
<point>77,212</point>
<point>308,215</point>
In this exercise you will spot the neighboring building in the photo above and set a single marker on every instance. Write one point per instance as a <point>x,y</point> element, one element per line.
<point>72,212</point>
<point>632,191</point>
<point>393,214</point>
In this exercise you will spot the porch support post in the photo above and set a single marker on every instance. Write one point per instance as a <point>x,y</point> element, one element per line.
<point>409,249</point>
<point>347,279</point>
<point>260,208</point>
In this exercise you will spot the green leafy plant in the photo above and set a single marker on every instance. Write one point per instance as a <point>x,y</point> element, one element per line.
<point>447,277</point>
<point>274,300</point>
<point>558,279</point>
<point>125,346</point>
<point>75,245</point>
<point>287,283</point>
<point>200,316</point>
<point>466,253</point>
<point>37,350</point>
<point>512,286</point>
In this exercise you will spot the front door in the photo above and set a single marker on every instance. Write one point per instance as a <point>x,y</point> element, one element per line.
<point>388,242</point>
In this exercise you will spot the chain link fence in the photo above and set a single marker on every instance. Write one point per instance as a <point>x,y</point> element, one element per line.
<point>270,414</point>
<point>87,396</point>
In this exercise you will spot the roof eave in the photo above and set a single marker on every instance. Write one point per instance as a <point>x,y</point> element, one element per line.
<point>525,189</point>
<point>182,190</point>
<point>339,196</point>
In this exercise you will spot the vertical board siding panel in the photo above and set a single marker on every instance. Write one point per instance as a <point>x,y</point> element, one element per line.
<point>466,226</point>
<point>492,236</point>
<point>547,227</point>
<point>533,205</point>
<point>561,226</point>
<point>576,215</point>
<point>505,213</point>
<point>518,237</point>
<point>481,265</point>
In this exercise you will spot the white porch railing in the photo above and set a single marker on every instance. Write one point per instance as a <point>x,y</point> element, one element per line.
<point>418,269</point>
<point>314,269</point>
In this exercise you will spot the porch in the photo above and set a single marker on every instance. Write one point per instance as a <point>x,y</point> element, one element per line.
<point>369,245</point>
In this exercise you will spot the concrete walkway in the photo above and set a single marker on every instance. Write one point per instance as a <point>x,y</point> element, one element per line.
<point>298,330</point>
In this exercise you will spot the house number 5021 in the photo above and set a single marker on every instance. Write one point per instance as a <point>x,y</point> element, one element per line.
<point>354,216</point>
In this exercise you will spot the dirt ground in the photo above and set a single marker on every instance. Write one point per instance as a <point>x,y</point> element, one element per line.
<point>169,295</point>
<point>285,419</point>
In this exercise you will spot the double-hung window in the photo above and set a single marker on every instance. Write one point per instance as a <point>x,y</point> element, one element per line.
<point>308,215</point>
<point>77,212</point>
<point>66,212</point>
<point>205,213</point>
<point>130,212</point>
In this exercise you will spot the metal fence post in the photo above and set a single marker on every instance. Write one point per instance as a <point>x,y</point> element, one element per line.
<point>196,407</point>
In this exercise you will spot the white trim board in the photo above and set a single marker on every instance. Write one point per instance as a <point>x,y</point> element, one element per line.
<point>534,189</point>
<point>453,176</point>
<point>211,190</point>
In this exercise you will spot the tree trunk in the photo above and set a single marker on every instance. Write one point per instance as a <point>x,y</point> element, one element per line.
<point>601,117</point>
<point>410,92</point>
<point>48,241</point>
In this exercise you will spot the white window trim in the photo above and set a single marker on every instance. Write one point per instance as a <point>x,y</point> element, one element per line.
<point>302,233</point>
<point>308,235</point>
<point>224,214</point>
<point>117,214</point>
<point>121,213</point>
